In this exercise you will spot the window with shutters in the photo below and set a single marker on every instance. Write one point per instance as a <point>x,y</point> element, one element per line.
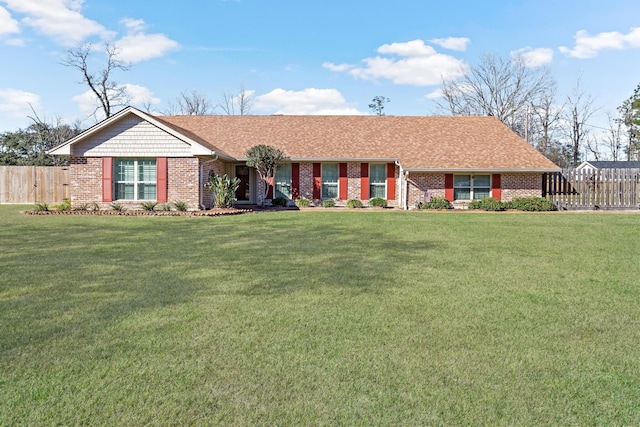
<point>329,180</point>
<point>471,187</point>
<point>135,179</point>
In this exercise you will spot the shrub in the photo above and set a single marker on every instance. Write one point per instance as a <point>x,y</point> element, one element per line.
<point>42,207</point>
<point>436,203</point>
<point>280,201</point>
<point>118,207</point>
<point>303,203</point>
<point>532,204</point>
<point>354,204</point>
<point>64,206</point>
<point>166,207</point>
<point>378,202</point>
<point>93,206</point>
<point>148,206</point>
<point>180,206</point>
<point>223,189</point>
<point>329,203</point>
<point>488,204</point>
<point>81,207</point>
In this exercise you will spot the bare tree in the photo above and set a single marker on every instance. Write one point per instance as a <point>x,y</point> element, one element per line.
<point>192,103</point>
<point>496,87</point>
<point>614,137</point>
<point>578,112</point>
<point>239,104</point>
<point>108,93</point>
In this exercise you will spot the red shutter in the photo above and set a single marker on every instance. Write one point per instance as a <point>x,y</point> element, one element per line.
<point>269,182</point>
<point>391,181</point>
<point>161,179</point>
<point>496,187</point>
<point>364,181</point>
<point>107,179</point>
<point>295,180</point>
<point>317,180</point>
<point>448,187</point>
<point>343,182</point>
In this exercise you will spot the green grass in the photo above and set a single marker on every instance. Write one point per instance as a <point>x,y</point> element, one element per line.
<point>320,318</point>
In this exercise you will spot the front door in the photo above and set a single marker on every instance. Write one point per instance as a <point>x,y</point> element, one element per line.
<point>243,193</point>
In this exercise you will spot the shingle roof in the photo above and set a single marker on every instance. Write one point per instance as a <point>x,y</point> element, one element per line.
<point>603,164</point>
<point>425,142</point>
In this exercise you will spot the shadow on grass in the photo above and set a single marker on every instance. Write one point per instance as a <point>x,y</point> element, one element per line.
<point>76,275</point>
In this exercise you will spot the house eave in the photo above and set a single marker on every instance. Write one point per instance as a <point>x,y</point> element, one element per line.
<point>491,170</point>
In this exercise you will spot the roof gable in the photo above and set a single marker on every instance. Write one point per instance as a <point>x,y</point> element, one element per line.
<point>134,133</point>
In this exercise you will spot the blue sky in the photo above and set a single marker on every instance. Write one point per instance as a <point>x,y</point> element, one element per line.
<point>311,57</point>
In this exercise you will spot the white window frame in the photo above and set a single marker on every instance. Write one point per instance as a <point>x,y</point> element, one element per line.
<point>378,184</point>
<point>281,183</point>
<point>136,181</point>
<point>326,183</point>
<point>472,186</point>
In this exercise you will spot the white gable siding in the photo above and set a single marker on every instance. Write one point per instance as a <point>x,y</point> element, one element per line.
<point>132,137</point>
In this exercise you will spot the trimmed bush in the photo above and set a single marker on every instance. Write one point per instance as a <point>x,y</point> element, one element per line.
<point>280,201</point>
<point>303,203</point>
<point>532,204</point>
<point>329,203</point>
<point>488,204</point>
<point>436,203</point>
<point>378,202</point>
<point>354,204</point>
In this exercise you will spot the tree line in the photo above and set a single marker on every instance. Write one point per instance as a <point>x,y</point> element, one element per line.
<point>526,100</point>
<point>523,98</point>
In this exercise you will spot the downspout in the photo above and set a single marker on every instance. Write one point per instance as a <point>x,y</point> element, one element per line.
<point>201,187</point>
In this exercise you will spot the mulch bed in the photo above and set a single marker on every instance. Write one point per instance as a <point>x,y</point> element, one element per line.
<point>211,212</point>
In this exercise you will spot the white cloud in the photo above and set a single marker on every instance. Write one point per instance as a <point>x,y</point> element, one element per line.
<point>310,101</point>
<point>61,20</point>
<point>137,46</point>
<point>452,43</point>
<point>533,57</point>
<point>16,103</point>
<point>8,25</point>
<point>587,46</point>
<point>434,94</point>
<point>419,65</point>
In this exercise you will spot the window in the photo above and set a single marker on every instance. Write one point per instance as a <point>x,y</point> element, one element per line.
<point>471,187</point>
<point>378,180</point>
<point>283,181</point>
<point>135,179</point>
<point>329,180</point>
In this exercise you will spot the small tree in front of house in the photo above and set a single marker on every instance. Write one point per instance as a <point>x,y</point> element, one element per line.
<point>266,160</point>
<point>223,190</point>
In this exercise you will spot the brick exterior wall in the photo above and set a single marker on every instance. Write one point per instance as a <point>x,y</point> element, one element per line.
<point>513,185</point>
<point>85,177</point>
<point>521,185</point>
<point>420,183</point>
<point>183,180</point>
<point>86,182</point>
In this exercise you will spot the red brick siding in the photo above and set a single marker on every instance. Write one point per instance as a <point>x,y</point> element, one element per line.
<point>521,185</point>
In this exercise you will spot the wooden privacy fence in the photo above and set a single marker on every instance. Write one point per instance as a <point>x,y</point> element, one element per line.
<point>34,184</point>
<point>593,189</point>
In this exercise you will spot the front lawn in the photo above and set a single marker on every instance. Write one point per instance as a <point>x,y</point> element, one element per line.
<point>320,318</point>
